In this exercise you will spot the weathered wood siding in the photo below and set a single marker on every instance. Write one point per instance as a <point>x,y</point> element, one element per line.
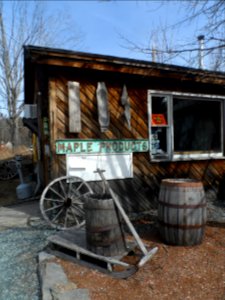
<point>141,192</point>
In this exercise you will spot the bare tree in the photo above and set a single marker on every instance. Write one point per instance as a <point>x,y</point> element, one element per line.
<point>27,23</point>
<point>213,15</point>
<point>162,48</point>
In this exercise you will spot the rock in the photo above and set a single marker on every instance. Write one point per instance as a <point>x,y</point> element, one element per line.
<point>77,294</point>
<point>54,282</point>
<point>10,218</point>
<point>51,274</point>
<point>44,256</point>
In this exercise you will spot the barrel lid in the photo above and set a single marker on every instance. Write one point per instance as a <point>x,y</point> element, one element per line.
<point>182,182</point>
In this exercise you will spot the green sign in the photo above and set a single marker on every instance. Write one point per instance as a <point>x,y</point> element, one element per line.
<point>101,146</point>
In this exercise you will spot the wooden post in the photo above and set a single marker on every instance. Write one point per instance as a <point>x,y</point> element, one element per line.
<point>53,128</point>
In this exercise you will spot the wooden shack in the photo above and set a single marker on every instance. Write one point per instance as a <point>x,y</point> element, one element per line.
<point>149,121</point>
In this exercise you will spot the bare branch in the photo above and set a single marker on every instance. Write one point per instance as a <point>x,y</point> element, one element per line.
<point>163,48</point>
<point>28,23</point>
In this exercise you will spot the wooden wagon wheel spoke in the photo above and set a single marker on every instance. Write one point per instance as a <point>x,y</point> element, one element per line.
<point>66,217</point>
<point>80,196</point>
<point>55,200</point>
<point>69,189</point>
<point>77,202</point>
<point>80,186</point>
<point>62,188</point>
<point>73,214</point>
<point>58,214</point>
<point>54,191</point>
<point>79,224</point>
<point>62,200</point>
<point>75,191</point>
<point>54,207</point>
<point>77,209</point>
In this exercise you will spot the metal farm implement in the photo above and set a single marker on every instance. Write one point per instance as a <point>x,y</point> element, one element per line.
<point>64,205</point>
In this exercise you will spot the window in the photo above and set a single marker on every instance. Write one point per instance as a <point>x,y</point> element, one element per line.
<point>185,126</point>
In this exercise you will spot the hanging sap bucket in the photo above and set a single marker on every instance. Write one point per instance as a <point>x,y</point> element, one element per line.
<point>104,234</point>
<point>182,211</point>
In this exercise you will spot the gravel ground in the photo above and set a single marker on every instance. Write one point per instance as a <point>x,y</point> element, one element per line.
<point>19,248</point>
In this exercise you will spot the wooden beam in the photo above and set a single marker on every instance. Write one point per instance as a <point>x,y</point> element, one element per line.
<point>52,126</point>
<point>137,69</point>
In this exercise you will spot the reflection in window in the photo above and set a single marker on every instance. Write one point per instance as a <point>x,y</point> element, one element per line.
<point>159,108</point>
<point>159,123</point>
<point>197,125</point>
<point>159,141</point>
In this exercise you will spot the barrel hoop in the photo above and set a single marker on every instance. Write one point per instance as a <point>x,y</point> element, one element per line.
<point>106,242</point>
<point>102,229</point>
<point>183,206</point>
<point>179,226</point>
<point>99,208</point>
<point>182,183</point>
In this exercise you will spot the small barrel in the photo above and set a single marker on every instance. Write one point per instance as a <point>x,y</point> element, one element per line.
<point>182,211</point>
<point>104,233</point>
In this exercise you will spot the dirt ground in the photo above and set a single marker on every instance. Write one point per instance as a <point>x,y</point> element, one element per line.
<point>175,272</point>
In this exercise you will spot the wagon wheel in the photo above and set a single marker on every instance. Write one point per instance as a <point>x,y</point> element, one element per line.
<point>62,201</point>
<point>8,170</point>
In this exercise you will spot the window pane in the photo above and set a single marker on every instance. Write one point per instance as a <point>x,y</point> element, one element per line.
<point>159,141</point>
<point>197,125</point>
<point>159,110</point>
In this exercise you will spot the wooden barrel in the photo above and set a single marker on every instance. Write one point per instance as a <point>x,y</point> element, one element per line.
<point>104,233</point>
<point>182,211</point>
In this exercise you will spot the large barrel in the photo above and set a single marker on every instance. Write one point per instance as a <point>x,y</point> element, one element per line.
<point>104,233</point>
<point>182,211</point>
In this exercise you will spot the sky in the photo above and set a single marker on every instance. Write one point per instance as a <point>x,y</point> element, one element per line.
<point>106,24</point>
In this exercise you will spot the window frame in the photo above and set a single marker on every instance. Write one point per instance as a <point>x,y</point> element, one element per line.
<point>171,154</point>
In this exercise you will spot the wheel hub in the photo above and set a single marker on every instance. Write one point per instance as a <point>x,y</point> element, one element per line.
<point>68,202</point>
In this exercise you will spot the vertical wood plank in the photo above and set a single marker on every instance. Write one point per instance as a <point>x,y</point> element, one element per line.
<point>103,107</point>
<point>74,106</point>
